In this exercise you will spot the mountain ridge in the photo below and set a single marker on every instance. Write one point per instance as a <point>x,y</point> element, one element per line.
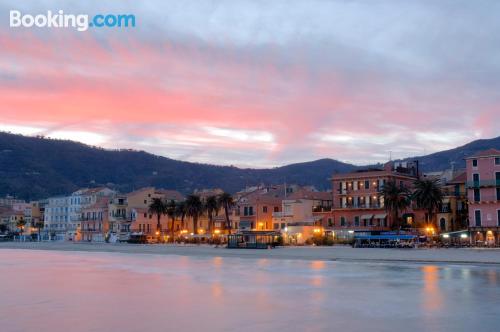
<point>37,167</point>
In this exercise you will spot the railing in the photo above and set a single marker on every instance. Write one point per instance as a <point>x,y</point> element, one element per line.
<point>282,214</point>
<point>362,189</point>
<point>483,183</point>
<point>322,208</point>
<point>361,206</point>
<point>445,208</point>
<point>485,198</point>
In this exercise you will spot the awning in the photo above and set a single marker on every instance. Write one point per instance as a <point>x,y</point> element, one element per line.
<point>366,216</point>
<point>380,216</point>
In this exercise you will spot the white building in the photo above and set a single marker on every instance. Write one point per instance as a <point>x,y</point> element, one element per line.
<point>56,217</point>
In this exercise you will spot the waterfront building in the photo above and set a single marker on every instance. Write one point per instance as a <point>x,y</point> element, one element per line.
<point>358,203</point>
<point>256,207</point>
<point>302,214</point>
<point>483,191</point>
<point>56,217</point>
<point>452,214</point>
<point>78,201</point>
<point>95,221</point>
<point>137,217</point>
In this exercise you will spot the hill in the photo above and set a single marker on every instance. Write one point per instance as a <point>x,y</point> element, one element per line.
<point>35,167</point>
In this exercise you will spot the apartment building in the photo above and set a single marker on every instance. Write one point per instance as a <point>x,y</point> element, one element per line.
<point>95,221</point>
<point>358,203</point>
<point>483,191</point>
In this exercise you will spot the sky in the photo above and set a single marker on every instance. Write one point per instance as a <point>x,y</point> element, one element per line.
<point>258,83</point>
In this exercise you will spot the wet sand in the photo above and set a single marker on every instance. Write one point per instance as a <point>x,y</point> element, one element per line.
<point>335,253</point>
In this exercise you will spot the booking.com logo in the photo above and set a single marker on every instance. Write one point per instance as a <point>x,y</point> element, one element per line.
<point>80,22</point>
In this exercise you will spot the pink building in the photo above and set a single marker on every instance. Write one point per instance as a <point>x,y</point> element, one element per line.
<point>483,191</point>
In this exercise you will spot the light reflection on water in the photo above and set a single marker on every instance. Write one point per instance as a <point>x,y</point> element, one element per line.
<point>76,291</point>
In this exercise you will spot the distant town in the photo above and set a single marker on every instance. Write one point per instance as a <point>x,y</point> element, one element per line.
<point>393,206</point>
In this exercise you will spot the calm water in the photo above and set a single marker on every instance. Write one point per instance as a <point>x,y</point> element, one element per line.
<point>75,291</point>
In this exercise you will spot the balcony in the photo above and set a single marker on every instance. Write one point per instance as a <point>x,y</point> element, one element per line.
<point>282,214</point>
<point>362,206</point>
<point>445,208</point>
<point>322,208</point>
<point>485,199</point>
<point>483,183</point>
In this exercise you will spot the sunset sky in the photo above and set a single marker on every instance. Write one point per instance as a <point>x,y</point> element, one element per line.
<point>259,83</point>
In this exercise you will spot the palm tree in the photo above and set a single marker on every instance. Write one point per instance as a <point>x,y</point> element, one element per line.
<point>180,212</point>
<point>396,199</point>
<point>212,208</point>
<point>39,225</point>
<point>20,224</point>
<point>158,208</point>
<point>171,212</point>
<point>194,208</point>
<point>428,195</point>
<point>227,203</point>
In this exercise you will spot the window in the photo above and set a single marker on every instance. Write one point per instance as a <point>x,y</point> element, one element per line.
<point>145,201</point>
<point>276,226</point>
<point>356,221</point>
<point>330,222</point>
<point>497,160</point>
<point>276,209</point>
<point>498,217</point>
<point>477,195</point>
<point>264,209</point>
<point>477,217</point>
<point>498,194</point>
<point>474,162</point>
<point>245,211</point>
<point>367,184</point>
<point>342,221</point>
<point>250,210</point>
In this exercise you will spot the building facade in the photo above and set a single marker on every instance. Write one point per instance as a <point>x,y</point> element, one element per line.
<point>358,203</point>
<point>483,191</point>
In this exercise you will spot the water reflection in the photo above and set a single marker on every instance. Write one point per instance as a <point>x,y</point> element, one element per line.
<point>432,293</point>
<point>109,292</point>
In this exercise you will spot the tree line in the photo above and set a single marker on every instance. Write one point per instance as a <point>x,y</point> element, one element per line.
<point>193,207</point>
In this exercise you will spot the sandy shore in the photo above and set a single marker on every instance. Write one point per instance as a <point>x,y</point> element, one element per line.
<point>339,253</point>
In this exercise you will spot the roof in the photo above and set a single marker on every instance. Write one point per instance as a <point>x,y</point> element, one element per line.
<point>308,194</point>
<point>486,153</point>
<point>459,178</point>
<point>170,194</point>
<point>102,202</point>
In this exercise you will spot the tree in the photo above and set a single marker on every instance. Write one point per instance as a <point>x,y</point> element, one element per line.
<point>396,199</point>
<point>20,224</point>
<point>227,203</point>
<point>212,208</point>
<point>39,225</point>
<point>428,195</point>
<point>194,208</point>
<point>158,208</point>
<point>171,212</point>
<point>180,212</point>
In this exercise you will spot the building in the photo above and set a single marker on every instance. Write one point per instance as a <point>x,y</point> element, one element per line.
<point>358,203</point>
<point>95,221</point>
<point>56,217</point>
<point>452,214</point>
<point>79,200</point>
<point>483,191</point>
<point>301,215</point>
<point>256,207</point>
<point>137,217</point>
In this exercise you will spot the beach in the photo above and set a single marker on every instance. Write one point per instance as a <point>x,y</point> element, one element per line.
<point>334,253</point>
